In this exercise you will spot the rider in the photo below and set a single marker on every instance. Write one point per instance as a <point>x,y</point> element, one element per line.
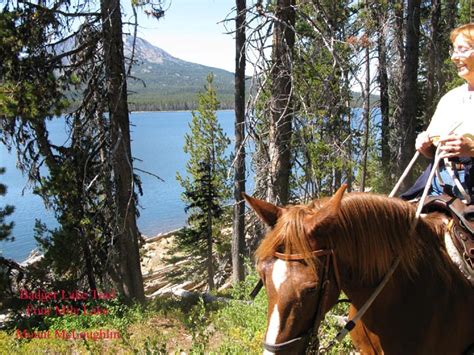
<point>452,126</point>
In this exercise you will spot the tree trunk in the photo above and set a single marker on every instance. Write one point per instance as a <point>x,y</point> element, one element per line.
<point>366,115</point>
<point>281,103</point>
<point>451,13</point>
<point>39,126</point>
<point>238,233</point>
<point>127,234</point>
<point>471,13</point>
<point>380,19</point>
<point>395,84</point>
<point>408,102</point>
<point>88,261</point>
<point>210,264</point>
<point>434,62</point>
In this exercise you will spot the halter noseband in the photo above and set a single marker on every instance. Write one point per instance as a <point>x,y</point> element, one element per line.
<point>322,296</point>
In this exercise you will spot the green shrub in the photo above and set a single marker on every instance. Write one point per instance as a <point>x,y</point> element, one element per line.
<point>242,321</point>
<point>331,326</point>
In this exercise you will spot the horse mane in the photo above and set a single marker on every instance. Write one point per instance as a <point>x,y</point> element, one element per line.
<point>369,233</point>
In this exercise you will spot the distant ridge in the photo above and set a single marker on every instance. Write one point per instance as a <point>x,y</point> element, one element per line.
<point>171,83</point>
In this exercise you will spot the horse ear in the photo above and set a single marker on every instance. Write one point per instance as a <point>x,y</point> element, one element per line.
<point>267,212</point>
<point>327,214</point>
<point>337,197</point>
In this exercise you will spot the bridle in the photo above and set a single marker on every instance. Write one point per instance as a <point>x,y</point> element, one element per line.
<point>322,297</point>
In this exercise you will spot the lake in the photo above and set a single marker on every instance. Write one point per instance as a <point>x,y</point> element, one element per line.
<point>158,139</point>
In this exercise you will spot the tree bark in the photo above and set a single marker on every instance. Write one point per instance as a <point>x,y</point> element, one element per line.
<point>408,103</point>
<point>281,115</point>
<point>382,75</point>
<point>88,261</point>
<point>127,234</point>
<point>209,242</point>
<point>238,233</point>
<point>451,13</point>
<point>434,64</point>
<point>366,115</point>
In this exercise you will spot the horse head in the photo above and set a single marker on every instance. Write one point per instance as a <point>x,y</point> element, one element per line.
<point>297,265</point>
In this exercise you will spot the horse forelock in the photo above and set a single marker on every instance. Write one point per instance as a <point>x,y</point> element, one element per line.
<point>289,235</point>
<point>369,233</point>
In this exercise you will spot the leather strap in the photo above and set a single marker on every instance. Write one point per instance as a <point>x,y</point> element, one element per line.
<point>287,345</point>
<point>314,253</point>
<point>256,289</point>
<point>295,257</point>
<point>463,241</point>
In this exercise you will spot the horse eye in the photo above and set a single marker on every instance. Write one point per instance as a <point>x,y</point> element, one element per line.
<point>310,287</point>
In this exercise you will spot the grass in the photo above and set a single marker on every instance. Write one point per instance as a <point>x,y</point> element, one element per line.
<point>167,326</point>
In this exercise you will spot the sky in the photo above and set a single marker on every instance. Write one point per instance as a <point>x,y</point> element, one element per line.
<point>191,30</point>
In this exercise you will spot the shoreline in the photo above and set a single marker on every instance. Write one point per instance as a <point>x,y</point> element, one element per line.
<point>35,255</point>
<point>161,235</point>
<point>171,111</point>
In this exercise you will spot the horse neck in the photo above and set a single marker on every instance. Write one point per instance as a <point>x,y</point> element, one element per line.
<point>425,292</point>
<point>373,231</point>
<point>405,312</point>
<point>407,309</point>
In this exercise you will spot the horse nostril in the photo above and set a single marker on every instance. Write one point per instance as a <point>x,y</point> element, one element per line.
<point>471,253</point>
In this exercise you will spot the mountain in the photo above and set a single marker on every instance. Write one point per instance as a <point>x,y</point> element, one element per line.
<point>163,82</point>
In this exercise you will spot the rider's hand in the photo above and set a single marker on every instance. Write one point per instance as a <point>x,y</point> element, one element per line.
<point>456,146</point>
<point>424,145</point>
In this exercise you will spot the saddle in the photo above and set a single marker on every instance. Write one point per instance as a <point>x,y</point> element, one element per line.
<point>461,227</point>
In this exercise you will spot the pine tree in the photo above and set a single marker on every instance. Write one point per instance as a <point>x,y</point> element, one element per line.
<point>5,235</point>
<point>47,62</point>
<point>206,186</point>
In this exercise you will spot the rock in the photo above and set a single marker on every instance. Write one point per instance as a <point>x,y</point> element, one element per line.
<point>161,236</point>
<point>33,258</point>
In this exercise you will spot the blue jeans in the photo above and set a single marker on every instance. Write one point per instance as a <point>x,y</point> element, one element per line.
<point>437,189</point>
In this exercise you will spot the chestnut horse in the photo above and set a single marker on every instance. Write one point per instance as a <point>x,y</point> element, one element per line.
<point>313,252</point>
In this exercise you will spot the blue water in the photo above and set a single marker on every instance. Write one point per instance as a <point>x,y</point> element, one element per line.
<point>157,144</point>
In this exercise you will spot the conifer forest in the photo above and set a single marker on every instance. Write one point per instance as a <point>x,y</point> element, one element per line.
<point>325,93</point>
